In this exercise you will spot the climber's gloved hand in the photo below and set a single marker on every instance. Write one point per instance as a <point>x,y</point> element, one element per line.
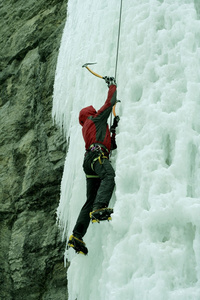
<point>110,81</point>
<point>115,124</point>
<point>116,121</point>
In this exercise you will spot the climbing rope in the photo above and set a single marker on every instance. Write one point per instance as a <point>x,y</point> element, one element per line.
<point>119,29</point>
<point>117,54</point>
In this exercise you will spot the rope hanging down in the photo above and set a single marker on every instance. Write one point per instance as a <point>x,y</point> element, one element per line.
<point>119,29</point>
<point>117,54</point>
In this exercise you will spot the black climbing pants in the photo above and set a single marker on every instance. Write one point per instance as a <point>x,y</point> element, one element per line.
<point>100,184</point>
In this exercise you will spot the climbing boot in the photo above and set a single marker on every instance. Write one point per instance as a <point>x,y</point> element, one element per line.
<point>77,244</point>
<point>101,214</point>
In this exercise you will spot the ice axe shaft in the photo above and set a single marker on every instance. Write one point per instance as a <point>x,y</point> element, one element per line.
<point>113,110</point>
<point>95,74</point>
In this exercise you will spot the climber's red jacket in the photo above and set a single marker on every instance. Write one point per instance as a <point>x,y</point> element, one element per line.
<point>95,128</point>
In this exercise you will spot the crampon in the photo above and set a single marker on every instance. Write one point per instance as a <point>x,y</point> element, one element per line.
<point>77,244</point>
<point>102,214</point>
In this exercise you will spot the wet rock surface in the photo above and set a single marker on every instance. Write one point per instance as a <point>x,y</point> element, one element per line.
<point>32,151</point>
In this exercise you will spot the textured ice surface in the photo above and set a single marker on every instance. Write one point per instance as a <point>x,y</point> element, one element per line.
<point>151,249</point>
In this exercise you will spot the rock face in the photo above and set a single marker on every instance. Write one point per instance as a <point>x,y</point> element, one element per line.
<point>32,151</point>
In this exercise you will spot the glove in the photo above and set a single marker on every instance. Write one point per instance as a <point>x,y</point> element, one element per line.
<point>116,121</point>
<point>110,81</point>
<point>115,124</point>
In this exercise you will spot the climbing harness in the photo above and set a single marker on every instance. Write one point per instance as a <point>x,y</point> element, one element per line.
<point>100,157</point>
<point>100,152</point>
<point>116,62</point>
<point>97,146</point>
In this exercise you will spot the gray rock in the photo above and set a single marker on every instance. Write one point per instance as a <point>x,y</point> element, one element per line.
<point>32,152</point>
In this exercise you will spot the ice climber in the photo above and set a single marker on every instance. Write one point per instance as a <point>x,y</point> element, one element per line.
<point>96,165</point>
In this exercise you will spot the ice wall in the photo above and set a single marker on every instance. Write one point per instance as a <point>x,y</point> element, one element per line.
<point>151,249</point>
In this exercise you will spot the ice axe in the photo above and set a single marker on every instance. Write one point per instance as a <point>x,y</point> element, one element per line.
<point>97,75</point>
<point>86,66</point>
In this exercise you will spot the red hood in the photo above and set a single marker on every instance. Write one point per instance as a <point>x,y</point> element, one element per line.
<point>85,113</point>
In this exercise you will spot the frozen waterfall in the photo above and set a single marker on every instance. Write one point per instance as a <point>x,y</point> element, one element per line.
<point>151,249</point>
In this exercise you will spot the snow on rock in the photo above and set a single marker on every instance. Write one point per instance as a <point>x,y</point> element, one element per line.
<point>151,249</point>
